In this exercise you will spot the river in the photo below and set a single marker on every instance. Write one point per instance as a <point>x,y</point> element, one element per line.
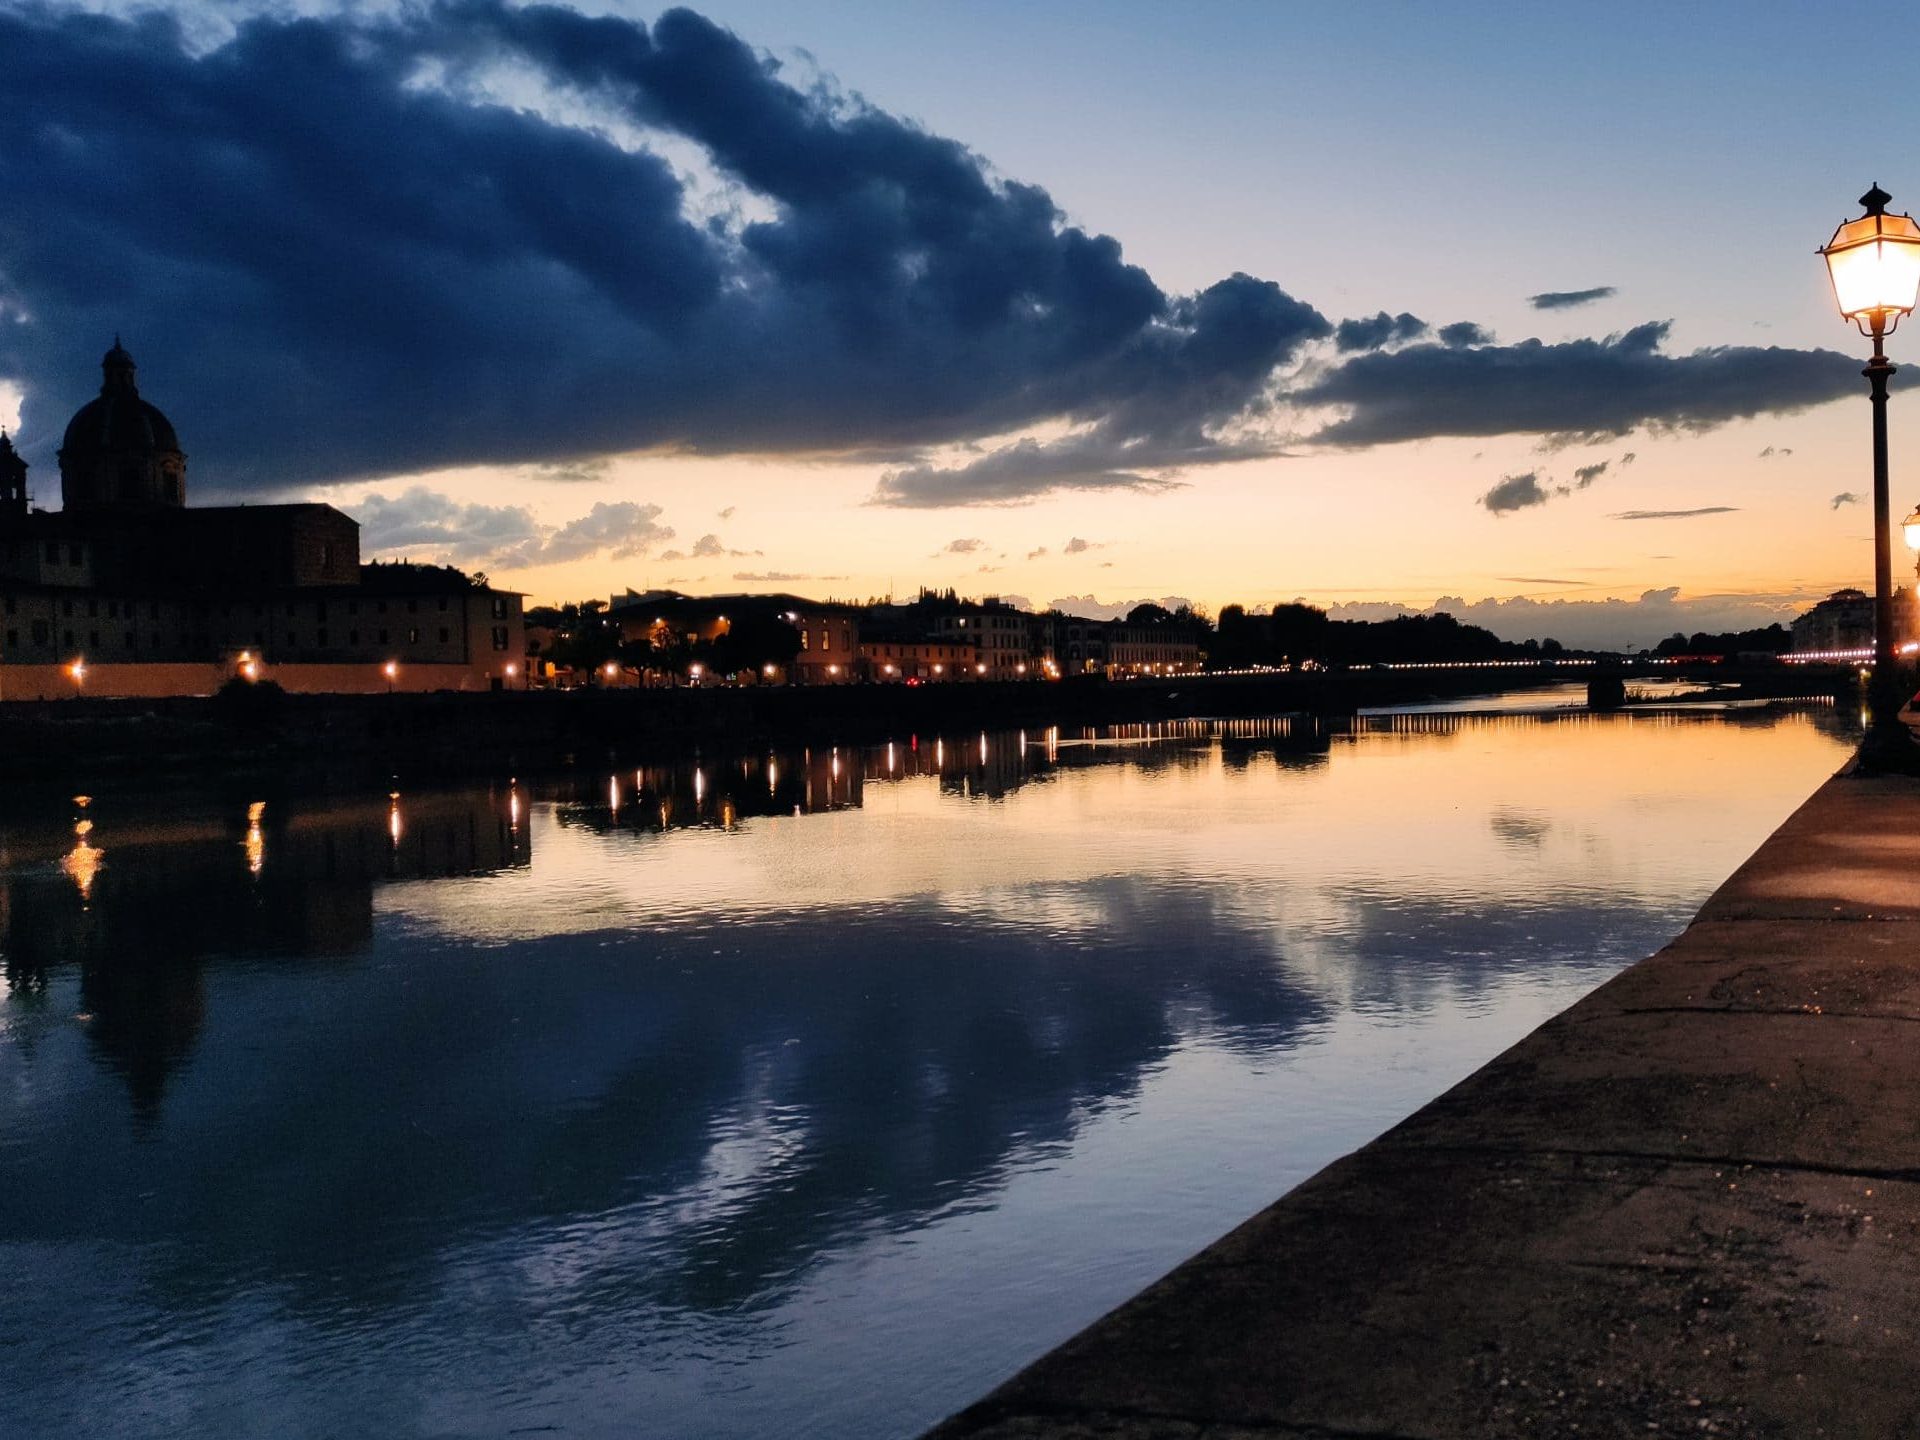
<point>801,1093</point>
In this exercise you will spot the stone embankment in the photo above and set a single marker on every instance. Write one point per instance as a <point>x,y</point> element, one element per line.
<point>1689,1205</point>
<point>355,739</point>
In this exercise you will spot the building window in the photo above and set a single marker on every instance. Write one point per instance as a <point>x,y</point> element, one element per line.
<point>68,639</point>
<point>320,637</point>
<point>326,557</point>
<point>353,637</point>
<point>445,634</point>
<point>413,607</point>
<point>383,636</point>
<point>12,604</point>
<point>804,634</point>
<point>73,554</point>
<point>154,640</point>
<point>53,552</point>
<point>153,610</point>
<point>93,639</point>
<point>93,607</point>
<point>499,637</point>
<point>413,635</point>
<point>39,632</point>
<point>353,607</point>
<point>443,602</point>
<point>129,642</point>
<point>113,610</point>
<point>499,607</point>
<point>13,639</point>
<point>292,640</point>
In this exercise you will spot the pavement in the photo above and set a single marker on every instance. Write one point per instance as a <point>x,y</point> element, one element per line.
<point>1688,1205</point>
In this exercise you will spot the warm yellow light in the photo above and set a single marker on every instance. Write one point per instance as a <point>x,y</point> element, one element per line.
<point>611,669</point>
<point>766,670</point>
<point>512,670</point>
<point>1874,263</point>
<point>391,669</point>
<point>1912,527</point>
<point>695,670</point>
<point>78,670</point>
<point>833,669</point>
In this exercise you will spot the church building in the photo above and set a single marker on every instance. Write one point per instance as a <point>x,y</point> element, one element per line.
<point>127,590</point>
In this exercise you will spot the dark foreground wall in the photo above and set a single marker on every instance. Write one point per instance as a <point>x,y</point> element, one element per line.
<point>1690,1205</point>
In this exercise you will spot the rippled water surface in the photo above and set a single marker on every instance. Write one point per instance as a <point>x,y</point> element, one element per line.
<point>805,1093</point>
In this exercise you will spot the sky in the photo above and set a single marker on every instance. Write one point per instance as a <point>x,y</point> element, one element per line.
<point>1509,310</point>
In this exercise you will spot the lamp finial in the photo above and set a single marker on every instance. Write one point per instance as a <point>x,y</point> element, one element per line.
<point>1876,201</point>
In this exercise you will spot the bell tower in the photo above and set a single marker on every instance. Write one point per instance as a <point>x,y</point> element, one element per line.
<point>13,481</point>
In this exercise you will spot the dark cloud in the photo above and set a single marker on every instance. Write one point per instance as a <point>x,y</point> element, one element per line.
<point>1771,451</point>
<point>1629,458</point>
<point>1847,497</point>
<point>1535,580</point>
<point>1676,514</point>
<point>1567,299</point>
<point>1585,475</point>
<point>727,514</point>
<point>1591,388</point>
<point>1515,492</point>
<point>338,255</point>
<point>965,546</point>
<point>1205,365</point>
<point>1037,552</point>
<point>777,577</point>
<point>1377,330</point>
<point>1077,546</point>
<point>1462,333</point>
<point>426,523</point>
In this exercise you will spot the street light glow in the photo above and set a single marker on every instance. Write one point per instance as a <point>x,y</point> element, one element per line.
<point>1874,264</point>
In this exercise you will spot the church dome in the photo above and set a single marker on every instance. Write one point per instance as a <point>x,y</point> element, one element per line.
<point>119,451</point>
<point>117,420</point>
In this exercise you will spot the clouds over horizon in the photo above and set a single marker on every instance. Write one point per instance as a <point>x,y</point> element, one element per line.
<point>424,523</point>
<point>1604,624</point>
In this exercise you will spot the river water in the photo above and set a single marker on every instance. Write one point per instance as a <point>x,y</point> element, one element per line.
<point>802,1093</point>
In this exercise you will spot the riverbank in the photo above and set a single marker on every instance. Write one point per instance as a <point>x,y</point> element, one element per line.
<point>1688,1205</point>
<point>329,740</point>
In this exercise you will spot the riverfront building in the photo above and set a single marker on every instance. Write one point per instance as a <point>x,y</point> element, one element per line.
<point>126,590</point>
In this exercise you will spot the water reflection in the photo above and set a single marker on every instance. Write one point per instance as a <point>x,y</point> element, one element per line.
<point>672,1098</point>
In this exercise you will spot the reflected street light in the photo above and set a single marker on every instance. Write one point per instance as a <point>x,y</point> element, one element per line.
<point>1874,263</point>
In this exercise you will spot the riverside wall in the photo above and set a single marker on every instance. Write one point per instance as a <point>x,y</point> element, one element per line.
<point>423,737</point>
<point>1688,1205</point>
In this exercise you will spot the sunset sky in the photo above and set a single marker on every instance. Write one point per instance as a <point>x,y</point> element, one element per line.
<point>1042,301</point>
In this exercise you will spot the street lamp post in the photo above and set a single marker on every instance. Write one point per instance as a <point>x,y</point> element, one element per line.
<point>1874,263</point>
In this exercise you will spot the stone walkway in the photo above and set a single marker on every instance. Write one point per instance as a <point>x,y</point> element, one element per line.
<point>1690,1205</point>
